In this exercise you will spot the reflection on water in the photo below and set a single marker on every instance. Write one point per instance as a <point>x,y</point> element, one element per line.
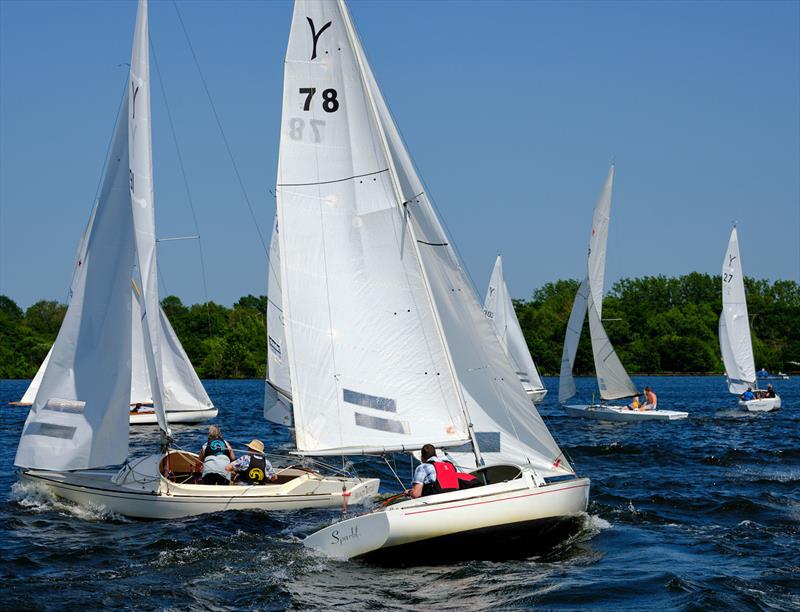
<point>701,513</point>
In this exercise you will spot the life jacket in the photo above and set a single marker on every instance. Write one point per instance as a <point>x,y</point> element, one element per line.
<point>447,479</point>
<point>217,446</point>
<point>256,473</point>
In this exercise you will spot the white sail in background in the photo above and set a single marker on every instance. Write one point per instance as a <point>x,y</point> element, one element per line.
<point>69,426</point>
<point>499,308</point>
<point>734,323</point>
<point>368,369</point>
<point>278,376</point>
<point>566,382</point>
<point>598,242</point>
<point>140,151</point>
<point>451,331</point>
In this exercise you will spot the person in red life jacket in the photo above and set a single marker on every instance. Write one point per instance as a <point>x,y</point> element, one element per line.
<point>253,468</point>
<point>434,476</point>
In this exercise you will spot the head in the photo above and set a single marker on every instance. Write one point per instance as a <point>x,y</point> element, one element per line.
<point>255,446</point>
<point>214,432</point>
<point>750,389</point>
<point>428,451</point>
<point>648,390</point>
<point>769,387</point>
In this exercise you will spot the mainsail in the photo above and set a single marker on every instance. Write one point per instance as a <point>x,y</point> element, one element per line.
<point>499,308</point>
<point>70,425</point>
<point>734,324</point>
<point>401,353</point>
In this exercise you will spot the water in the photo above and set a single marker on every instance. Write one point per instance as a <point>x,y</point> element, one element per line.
<point>694,514</point>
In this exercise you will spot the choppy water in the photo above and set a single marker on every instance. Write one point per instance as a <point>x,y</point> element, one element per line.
<point>695,514</point>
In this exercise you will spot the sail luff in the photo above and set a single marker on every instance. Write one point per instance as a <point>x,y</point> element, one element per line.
<point>598,242</point>
<point>403,212</point>
<point>143,200</point>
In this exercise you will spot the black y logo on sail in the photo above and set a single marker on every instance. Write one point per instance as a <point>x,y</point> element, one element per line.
<point>730,259</point>
<point>315,35</point>
<point>134,93</point>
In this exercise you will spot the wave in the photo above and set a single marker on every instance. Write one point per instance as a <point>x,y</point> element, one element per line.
<point>37,498</point>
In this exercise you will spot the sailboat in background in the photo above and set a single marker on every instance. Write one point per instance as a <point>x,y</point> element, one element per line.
<point>74,430</point>
<point>388,345</point>
<point>734,334</point>
<point>500,310</point>
<point>612,379</point>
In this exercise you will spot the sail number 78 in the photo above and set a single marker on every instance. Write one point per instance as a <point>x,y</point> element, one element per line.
<point>329,102</point>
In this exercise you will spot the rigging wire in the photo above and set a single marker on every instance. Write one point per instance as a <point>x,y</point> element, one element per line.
<point>221,130</point>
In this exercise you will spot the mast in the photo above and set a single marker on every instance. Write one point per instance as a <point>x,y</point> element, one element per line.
<point>404,212</point>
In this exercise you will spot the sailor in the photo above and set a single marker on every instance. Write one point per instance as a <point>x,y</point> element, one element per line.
<point>215,455</point>
<point>650,399</point>
<point>770,391</point>
<point>434,476</point>
<point>748,395</point>
<point>253,468</point>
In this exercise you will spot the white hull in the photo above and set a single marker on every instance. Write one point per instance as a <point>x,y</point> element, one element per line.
<point>603,412</point>
<point>148,417</point>
<point>765,404</point>
<point>536,395</point>
<point>138,490</point>
<point>506,510</point>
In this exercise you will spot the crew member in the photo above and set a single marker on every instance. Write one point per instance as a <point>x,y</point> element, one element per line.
<point>215,455</point>
<point>253,468</point>
<point>434,476</point>
<point>650,399</point>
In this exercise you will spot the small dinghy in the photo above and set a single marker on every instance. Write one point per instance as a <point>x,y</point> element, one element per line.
<point>734,336</point>
<point>499,310</point>
<point>388,343</point>
<point>74,430</point>
<point>612,379</point>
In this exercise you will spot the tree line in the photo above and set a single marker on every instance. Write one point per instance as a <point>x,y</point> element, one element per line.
<point>657,324</point>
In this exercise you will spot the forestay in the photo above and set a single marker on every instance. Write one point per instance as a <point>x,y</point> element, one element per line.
<point>368,368</point>
<point>499,308</point>
<point>734,324</point>
<point>507,427</point>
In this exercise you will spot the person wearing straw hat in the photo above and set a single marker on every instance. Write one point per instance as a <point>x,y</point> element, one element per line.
<point>253,468</point>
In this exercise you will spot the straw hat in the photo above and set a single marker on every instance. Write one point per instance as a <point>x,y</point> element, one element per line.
<point>256,445</point>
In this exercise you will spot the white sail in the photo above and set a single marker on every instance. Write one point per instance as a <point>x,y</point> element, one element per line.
<point>734,324</point>
<point>499,308</point>
<point>140,151</point>
<point>368,369</point>
<point>572,337</point>
<point>598,242</point>
<point>278,376</point>
<point>507,427</point>
<point>69,426</point>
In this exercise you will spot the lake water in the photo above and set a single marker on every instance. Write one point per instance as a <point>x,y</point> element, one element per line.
<point>694,514</point>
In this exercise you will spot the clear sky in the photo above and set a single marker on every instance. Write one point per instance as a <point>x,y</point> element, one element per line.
<point>512,111</point>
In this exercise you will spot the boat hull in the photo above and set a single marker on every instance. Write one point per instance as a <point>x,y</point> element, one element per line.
<point>536,395</point>
<point>502,513</point>
<point>148,417</point>
<point>602,412</point>
<point>764,404</point>
<point>134,492</point>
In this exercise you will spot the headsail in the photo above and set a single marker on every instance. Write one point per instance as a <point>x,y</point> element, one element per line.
<point>499,308</point>
<point>368,369</point>
<point>734,324</point>
<point>572,337</point>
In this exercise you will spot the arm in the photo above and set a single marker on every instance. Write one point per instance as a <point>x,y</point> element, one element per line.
<point>231,456</point>
<point>416,490</point>
<point>269,472</point>
<point>202,454</point>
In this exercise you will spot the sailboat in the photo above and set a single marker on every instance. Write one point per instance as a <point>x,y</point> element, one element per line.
<point>612,379</point>
<point>388,345</point>
<point>500,310</point>
<point>185,398</point>
<point>74,430</point>
<point>734,334</point>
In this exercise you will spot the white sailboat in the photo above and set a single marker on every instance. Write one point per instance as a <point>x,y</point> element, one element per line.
<point>500,310</point>
<point>612,379</point>
<point>388,346</point>
<point>74,432</point>
<point>734,334</point>
<point>185,398</point>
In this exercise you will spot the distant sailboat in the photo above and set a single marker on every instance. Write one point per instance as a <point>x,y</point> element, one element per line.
<point>74,429</point>
<point>734,334</point>
<point>500,310</point>
<point>612,379</point>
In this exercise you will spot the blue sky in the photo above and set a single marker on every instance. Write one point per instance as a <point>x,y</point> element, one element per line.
<point>512,111</point>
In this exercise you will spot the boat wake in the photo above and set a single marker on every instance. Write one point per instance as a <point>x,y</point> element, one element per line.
<point>38,499</point>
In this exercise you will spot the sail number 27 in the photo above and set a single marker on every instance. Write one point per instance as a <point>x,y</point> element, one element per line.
<point>330,104</point>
